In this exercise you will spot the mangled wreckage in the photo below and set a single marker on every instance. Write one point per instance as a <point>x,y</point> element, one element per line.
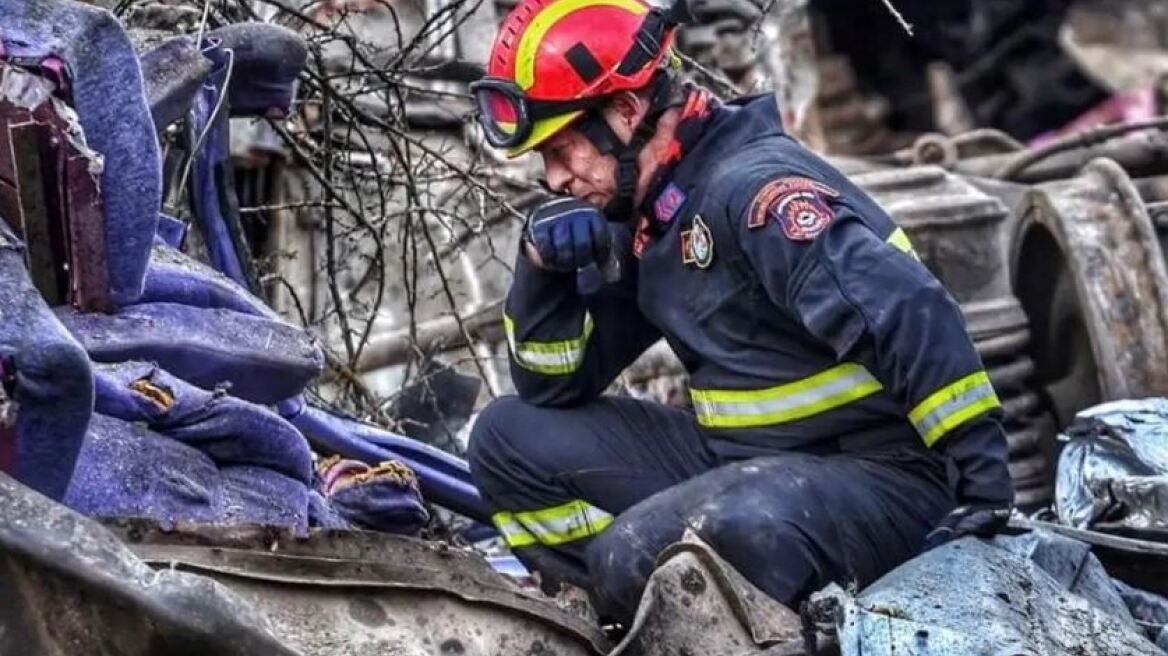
<point>172,486</point>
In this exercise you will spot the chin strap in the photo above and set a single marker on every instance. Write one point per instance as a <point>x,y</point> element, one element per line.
<point>600,133</point>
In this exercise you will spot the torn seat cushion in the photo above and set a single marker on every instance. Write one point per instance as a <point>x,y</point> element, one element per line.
<point>262,360</point>
<point>128,470</point>
<point>175,277</point>
<point>382,498</point>
<point>110,98</point>
<point>230,430</point>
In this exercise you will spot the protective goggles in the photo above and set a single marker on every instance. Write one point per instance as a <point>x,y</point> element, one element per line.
<point>508,116</point>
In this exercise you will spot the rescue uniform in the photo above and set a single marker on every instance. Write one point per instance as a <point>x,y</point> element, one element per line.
<point>830,375</point>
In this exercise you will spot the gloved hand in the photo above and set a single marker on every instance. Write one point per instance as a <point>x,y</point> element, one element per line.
<point>983,520</point>
<point>984,491</point>
<point>567,234</point>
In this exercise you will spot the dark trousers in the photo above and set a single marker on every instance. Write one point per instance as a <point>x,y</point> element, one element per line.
<point>791,522</point>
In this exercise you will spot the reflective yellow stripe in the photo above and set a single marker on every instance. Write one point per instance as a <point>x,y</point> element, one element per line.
<point>566,522</point>
<point>952,406</point>
<point>900,239</point>
<point>512,531</point>
<point>557,358</point>
<point>816,394</point>
<point>539,26</point>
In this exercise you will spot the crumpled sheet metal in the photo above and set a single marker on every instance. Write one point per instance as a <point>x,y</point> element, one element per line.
<point>68,586</point>
<point>263,360</point>
<point>355,593</point>
<point>980,597</point>
<point>1113,473</point>
<point>109,95</point>
<point>696,603</point>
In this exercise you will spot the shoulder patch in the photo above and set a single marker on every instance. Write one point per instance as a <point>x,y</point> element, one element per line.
<point>667,204</point>
<point>800,205</point>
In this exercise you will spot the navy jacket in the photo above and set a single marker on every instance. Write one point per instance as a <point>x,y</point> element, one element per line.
<point>802,315</point>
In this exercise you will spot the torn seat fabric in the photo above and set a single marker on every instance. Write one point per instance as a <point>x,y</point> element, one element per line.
<point>128,470</point>
<point>106,89</point>
<point>48,374</point>
<point>382,498</point>
<point>263,360</point>
<point>229,430</point>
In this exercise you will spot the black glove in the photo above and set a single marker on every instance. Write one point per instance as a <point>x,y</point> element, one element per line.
<point>981,520</point>
<point>981,482</point>
<point>568,234</point>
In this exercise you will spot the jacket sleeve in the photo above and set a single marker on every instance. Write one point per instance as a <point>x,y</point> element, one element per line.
<point>874,303</point>
<point>567,347</point>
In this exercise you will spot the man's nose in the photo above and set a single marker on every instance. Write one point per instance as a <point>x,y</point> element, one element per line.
<point>556,177</point>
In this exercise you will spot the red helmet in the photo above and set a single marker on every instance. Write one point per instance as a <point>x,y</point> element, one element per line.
<point>555,59</point>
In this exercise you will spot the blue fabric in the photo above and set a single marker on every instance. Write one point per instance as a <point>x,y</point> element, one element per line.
<point>383,498</point>
<point>174,277</point>
<point>53,381</point>
<point>230,430</point>
<point>172,231</point>
<point>263,496</point>
<point>268,61</point>
<point>443,479</point>
<point>173,71</point>
<point>263,360</point>
<point>109,96</point>
<point>211,163</point>
<point>128,470</point>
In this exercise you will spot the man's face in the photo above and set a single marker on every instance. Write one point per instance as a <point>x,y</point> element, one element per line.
<point>572,165</point>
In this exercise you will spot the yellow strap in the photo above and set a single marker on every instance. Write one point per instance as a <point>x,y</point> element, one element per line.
<point>556,358</point>
<point>547,18</point>
<point>567,522</point>
<point>953,405</point>
<point>800,399</point>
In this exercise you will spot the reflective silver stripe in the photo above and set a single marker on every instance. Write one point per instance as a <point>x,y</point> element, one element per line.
<point>953,405</point>
<point>512,531</point>
<point>813,395</point>
<point>553,358</point>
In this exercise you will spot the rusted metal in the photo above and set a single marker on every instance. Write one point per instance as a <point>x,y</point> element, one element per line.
<point>1119,274</point>
<point>696,603</point>
<point>49,191</point>
<point>356,593</point>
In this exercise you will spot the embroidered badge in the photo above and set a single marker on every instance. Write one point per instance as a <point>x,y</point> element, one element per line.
<point>798,204</point>
<point>697,244</point>
<point>667,204</point>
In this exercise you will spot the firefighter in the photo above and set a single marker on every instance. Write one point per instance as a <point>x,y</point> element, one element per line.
<point>841,418</point>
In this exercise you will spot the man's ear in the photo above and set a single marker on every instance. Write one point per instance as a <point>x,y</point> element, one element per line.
<point>624,113</point>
